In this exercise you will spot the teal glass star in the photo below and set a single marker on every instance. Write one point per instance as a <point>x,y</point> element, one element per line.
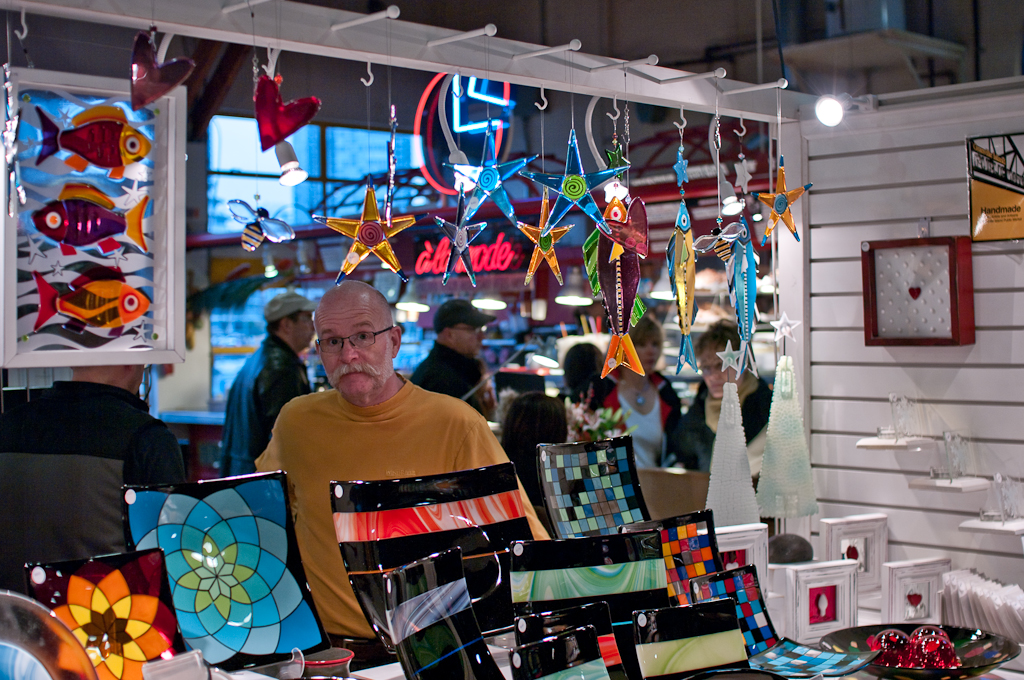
<point>488,177</point>
<point>573,188</point>
<point>680,168</point>
<point>461,235</point>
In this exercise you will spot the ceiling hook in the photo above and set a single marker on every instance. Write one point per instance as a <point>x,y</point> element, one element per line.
<point>682,117</point>
<point>743,129</point>
<point>369,81</point>
<point>24,27</point>
<point>615,105</point>
<point>543,99</point>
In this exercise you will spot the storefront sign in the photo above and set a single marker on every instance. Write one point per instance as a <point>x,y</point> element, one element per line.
<point>503,255</point>
<point>996,172</point>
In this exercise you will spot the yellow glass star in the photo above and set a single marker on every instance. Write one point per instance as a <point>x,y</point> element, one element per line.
<point>369,235</point>
<point>780,203</point>
<point>544,246</point>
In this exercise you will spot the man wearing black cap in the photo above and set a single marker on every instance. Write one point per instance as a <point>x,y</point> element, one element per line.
<point>452,367</point>
<point>269,379</point>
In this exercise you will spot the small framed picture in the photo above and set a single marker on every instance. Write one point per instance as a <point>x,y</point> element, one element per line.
<point>910,590</point>
<point>743,544</point>
<point>862,538</point>
<point>821,597</point>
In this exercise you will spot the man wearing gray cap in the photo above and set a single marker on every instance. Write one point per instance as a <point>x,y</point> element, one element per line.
<point>269,379</point>
<point>452,367</point>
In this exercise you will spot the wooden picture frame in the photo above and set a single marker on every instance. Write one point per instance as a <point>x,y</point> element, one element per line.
<point>62,302</point>
<point>821,598</point>
<point>745,544</point>
<point>862,538</point>
<point>918,291</point>
<point>911,590</point>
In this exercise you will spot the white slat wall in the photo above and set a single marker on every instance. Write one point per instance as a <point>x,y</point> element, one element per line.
<point>874,178</point>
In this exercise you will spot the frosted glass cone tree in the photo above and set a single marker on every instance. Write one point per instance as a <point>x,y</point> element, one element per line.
<point>786,487</point>
<point>730,489</point>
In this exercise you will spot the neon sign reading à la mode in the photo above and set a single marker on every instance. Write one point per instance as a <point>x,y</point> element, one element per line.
<point>500,256</point>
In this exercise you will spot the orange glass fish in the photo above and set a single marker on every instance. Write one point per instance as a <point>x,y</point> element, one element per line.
<point>101,136</point>
<point>99,298</point>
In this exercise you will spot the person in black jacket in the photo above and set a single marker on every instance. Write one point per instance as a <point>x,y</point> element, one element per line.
<point>452,366</point>
<point>63,459</point>
<point>269,379</point>
<point>700,423</point>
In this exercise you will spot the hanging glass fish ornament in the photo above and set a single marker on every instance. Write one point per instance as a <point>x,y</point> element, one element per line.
<point>682,266</point>
<point>99,298</point>
<point>573,187</point>
<point>620,279</point>
<point>12,115</point>
<point>370,236</point>
<point>151,80</point>
<point>258,224</point>
<point>277,120</point>
<point>628,227</point>
<point>460,235</point>
<point>590,265</point>
<point>488,178</point>
<point>780,203</point>
<point>543,246</point>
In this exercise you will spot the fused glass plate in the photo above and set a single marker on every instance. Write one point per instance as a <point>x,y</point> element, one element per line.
<point>573,654</point>
<point>35,645</point>
<point>536,627</point>
<point>624,570</point>
<point>690,548</point>
<point>382,525</point>
<point>118,606</point>
<point>236,577</point>
<point>590,488</point>
<point>795,660</point>
<point>435,631</point>
<point>679,641</point>
<point>741,585</point>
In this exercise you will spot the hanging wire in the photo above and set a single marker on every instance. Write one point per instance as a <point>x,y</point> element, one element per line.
<point>255,81</point>
<point>775,243</point>
<point>625,124</point>
<point>718,153</point>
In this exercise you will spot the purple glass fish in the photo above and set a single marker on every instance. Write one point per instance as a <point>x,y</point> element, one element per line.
<point>83,217</point>
<point>102,136</point>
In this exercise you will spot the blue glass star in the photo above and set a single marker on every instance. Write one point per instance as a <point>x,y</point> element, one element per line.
<point>573,188</point>
<point>488,177</point>
<point>680,168</point>
<point>461,235</point>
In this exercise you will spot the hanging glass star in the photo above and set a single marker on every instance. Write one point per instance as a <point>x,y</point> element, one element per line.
<point>730,358</point>
<point>743,175</point>
<point>680,167</point>
<point>780,203</point>
<point>369,234</point>
<point>461,235</point>
<point>488,177</point>
<point>544,246</point>
<point>615,156</point>
<point>784,327</point>
<point>573,188</point>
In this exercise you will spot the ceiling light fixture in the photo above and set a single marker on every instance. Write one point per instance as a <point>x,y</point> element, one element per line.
<point>831,109</point>
<point>291,174</point>
<point>489,303</point>
<point>572,293</point>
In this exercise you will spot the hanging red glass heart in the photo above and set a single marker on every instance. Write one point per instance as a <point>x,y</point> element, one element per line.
<point>276,119</point>
<point>151,80</point>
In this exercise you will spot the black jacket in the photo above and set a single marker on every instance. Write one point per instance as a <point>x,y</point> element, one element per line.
<point>269,379</point>
<point>604,392</point>
<point>63,459</point>
<point>697,440</point>
<point>448,372</point>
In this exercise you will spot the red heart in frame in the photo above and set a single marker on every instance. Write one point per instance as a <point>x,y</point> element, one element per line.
<point>151,80</point>
<point>276,119</point>
<point>914,599</point>
<point>915,292</point>
<point>852,553</point>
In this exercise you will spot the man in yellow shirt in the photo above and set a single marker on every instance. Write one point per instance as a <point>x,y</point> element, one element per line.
<point>373,425</point>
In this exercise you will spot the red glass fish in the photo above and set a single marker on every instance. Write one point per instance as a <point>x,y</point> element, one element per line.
<point>84,217</point>
<point>276,119</point>
<point>99,298</point>
<point>101,136</point>
<point>151,80</point>
<point>629,230</point>
<point>619,280</point>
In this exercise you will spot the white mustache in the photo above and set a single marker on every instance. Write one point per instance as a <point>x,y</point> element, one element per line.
<point>355,367</point>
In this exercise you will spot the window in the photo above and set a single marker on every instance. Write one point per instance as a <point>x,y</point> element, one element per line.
<point>329,153</point>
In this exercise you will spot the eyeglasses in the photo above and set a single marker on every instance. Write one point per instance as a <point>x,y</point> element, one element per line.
<point>357,340</point>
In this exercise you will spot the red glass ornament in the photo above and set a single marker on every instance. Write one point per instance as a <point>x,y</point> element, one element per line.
<point>276,119</point>
<point>932,651</point>
<point>151,80</point>
<point>893,644</point>
<point>921,631</point>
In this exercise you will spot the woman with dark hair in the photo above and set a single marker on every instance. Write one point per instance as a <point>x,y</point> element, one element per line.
<point>533,418</point>
<point>582,361</point>
<point>700,424</point>
<point>651,402</point>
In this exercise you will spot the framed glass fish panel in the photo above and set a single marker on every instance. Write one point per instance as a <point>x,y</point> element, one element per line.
<point>91,255</point>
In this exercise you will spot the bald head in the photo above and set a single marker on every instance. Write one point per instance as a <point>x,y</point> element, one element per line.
<point>126,377</point>
<point>348,294</point>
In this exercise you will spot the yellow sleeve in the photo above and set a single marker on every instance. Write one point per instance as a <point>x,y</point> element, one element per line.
<point>270,461</point>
